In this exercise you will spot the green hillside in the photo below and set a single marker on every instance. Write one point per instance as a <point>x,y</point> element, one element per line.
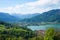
<point>50,16</point>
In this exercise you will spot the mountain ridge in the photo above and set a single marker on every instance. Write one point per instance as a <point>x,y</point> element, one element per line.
<point>24,16</point>
<point>50,16</point>
<point>7,17</point>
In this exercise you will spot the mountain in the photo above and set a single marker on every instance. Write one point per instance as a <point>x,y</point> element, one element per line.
<point>50,16</point>
<point>25,16</point>
<point>7,17</point>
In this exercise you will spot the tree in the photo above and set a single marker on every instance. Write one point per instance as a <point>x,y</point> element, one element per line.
<point>20,38</point>
<point>50,33</point>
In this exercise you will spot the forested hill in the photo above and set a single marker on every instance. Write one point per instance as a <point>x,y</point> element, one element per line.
<point>50,16</point>
<point>7,17</point>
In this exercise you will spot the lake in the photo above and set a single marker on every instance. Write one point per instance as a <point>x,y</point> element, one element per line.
<point>44,27</point>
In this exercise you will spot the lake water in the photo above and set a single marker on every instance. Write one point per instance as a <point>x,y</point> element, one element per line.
<point>44,27</point>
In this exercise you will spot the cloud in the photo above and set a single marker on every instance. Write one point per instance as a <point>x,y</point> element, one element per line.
<point>7,10</point>
<point>38,6</point>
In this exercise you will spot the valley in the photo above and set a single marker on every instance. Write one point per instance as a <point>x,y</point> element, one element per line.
<point>39,26</point>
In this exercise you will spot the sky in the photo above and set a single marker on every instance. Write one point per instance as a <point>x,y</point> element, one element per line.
<point>28,6</point>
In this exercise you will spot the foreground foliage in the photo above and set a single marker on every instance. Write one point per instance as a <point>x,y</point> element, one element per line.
<point>15,32</point>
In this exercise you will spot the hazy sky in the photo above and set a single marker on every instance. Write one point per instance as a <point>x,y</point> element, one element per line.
<point>28,6</point>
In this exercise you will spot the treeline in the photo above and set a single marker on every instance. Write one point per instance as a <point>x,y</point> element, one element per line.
<point>16,32</point>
